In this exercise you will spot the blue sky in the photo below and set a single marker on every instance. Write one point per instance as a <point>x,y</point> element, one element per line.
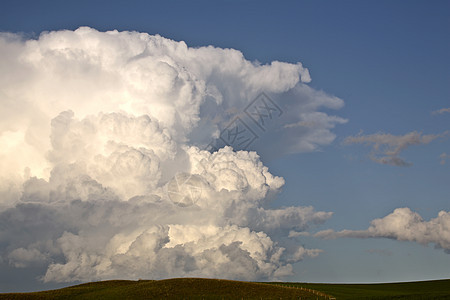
<point>388,60</point>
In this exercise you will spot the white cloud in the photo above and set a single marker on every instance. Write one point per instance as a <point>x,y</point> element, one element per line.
<point>403,225</point>
<point>387,147</point>
<point>441,111</point>
<point>101,175</point>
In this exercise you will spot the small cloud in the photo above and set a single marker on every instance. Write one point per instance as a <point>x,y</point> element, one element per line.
<point>293,233</point>
<point>443,158</point>
<point>441,111</point>
<point>402,225</point>
<point>386,148</point>
<point>300,124</point>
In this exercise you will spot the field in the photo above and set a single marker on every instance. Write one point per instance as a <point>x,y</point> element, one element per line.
<point>196,288</point>
<point>436,289</point>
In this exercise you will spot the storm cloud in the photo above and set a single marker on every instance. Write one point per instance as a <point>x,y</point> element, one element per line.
<point>103,168</point>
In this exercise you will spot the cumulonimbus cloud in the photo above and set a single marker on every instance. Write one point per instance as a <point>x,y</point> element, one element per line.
<point>102,172</point>
<point>403,225</point>
<point>386,148</point>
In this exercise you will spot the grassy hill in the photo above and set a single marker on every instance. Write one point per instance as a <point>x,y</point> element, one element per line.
<point>181,288</point>
<point>196,288</point>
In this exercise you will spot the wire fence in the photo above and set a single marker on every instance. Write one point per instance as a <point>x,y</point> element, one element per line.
<point>319,294</point>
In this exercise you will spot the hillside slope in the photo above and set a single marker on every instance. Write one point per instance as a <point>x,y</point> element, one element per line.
<point>197,288</point>
<point>180,288</point>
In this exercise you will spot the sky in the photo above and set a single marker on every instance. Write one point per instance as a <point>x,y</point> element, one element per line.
<point>115,116</point>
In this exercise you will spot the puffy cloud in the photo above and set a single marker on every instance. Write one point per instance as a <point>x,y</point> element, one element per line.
<point>101,169</point>
<point>188,90</point>
<point>387,147</point>
<point>102,237</point>
<point>22,258</point>
<point>403,225</point>
<point>165,251</point>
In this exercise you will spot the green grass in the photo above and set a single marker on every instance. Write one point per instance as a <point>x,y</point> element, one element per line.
<point>182,288</point>
<point>196,288</point>
<point>436,289</point>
